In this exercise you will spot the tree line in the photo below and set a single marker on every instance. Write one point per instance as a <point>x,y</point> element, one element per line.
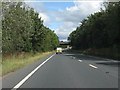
<point>99,30</point>
<point>24,31</point>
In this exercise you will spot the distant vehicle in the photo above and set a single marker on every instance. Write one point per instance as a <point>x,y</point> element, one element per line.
<point>58,50</point>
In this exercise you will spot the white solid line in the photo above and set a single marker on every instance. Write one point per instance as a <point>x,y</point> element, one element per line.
<point>92,66</point>
<point>80,60</point>
<point>30,74</point>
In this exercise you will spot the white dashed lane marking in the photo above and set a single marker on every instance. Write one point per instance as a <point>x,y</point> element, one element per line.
<point>93,66</point>
<point>80,60</point>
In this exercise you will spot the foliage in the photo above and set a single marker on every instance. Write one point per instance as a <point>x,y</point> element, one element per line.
<point>99,30</point>
<point>23,30</point>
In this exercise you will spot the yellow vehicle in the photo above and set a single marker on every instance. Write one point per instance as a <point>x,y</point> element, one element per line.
<point>58,50</point>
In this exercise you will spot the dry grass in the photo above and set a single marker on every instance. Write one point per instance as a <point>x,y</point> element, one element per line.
<point>12,63</point>
<point>0,69</point>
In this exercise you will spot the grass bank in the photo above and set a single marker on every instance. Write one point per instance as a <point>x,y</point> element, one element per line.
<point>0,68</point>
<point>11,63</point>
<point>110,53</point>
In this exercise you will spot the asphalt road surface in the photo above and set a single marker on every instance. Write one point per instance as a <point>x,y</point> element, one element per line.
<point>67,70</point>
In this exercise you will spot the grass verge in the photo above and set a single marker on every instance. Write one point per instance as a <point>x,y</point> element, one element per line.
<point>110,53</point>
<point>104,52</point>
<point>12,63</point>
<point>0,69</point>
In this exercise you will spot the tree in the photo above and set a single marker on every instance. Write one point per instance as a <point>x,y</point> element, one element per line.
<point>99,30</point>
<point>23,30</point>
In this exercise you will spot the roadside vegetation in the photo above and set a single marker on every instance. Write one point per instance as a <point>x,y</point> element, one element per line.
<point>99,33</point>
<point>24,36</point>
<point>14,62</point>
<point>0,51</point>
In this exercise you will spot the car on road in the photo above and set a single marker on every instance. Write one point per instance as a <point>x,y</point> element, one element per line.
<point>58,50</point>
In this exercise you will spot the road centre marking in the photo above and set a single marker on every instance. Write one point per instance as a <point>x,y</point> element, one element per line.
<point>93,66</point>
<point>80,60</point>
<point>30,74</point>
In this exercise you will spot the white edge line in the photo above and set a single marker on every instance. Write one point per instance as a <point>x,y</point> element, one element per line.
<point>93,66</point>
<point>30,74</point>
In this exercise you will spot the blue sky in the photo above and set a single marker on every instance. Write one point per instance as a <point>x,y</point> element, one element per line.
<point>64,17</point>
<point>58,5</point>
<point>54,7</point>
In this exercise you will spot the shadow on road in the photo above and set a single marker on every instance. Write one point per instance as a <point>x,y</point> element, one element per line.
<point>110,63</point>
<point>97,60</point>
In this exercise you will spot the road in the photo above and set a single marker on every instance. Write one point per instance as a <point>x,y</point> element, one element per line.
<point>67,70</point>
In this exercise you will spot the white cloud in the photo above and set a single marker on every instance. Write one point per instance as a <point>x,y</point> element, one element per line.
<point>39,7</point>
<point>44,17</point>
<point>88,7</point>
<point>72,9</point>
<point>71,16</point>
<point>64,30</point>
<point>79,11</point>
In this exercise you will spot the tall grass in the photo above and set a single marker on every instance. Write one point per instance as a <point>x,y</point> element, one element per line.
<point>104,52</point>
<point>0,64</point>
<point>11,63</point>
<point>111,53</point>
